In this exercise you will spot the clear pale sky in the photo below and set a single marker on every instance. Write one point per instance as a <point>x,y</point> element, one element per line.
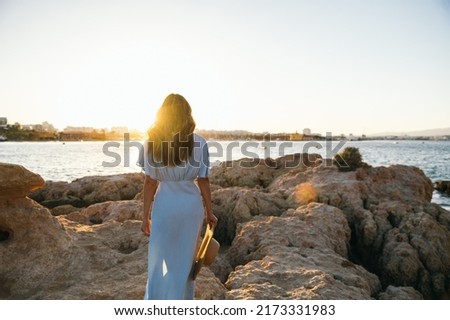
<point>341,66</point>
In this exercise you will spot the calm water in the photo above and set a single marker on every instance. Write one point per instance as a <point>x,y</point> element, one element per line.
<point>70,160</point>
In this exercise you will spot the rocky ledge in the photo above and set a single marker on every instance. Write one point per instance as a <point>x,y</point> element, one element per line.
<point>290,228</point>
<point>443,186</point>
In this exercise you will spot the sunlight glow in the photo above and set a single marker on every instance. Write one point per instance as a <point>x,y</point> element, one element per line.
<point>305,193</point>
<point>242,65</point>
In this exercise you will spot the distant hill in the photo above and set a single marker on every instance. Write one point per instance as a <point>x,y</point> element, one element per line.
<point>422,133</point>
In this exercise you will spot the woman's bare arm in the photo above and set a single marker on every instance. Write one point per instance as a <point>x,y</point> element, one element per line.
<point>150,186</point>
<point>205,190</point>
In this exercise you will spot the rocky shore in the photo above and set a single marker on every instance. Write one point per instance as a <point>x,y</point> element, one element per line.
<point>290,228</point>
<point>442,186</point>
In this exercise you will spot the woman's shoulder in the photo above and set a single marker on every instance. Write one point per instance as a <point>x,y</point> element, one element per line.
<point>199,138</point>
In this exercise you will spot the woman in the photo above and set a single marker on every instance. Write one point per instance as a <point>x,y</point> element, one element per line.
<point>174,157</point>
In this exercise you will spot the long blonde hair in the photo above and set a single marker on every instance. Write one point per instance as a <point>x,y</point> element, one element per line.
<point>170,137</point>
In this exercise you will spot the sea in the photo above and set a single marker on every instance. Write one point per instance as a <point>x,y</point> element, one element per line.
<point>66,161</point>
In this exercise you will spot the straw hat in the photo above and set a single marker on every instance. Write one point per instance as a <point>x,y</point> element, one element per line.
<point>207,251</point>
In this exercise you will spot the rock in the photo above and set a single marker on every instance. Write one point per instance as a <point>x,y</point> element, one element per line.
<point>398,183</point>
<point>258,173</point>
<point>442,186</point>
<point>298,161</point>
<point>249,173</point>
<point>402,237</point>
<point>416,252</point>
<point>222,266</point>
<point>300,255</point>
<point>33,249</point>
<point>302,231</point>
<point>56,258</point>
<point>89,190</point>
<point>396,231</point>
<point>107,261</point>
<point>287,182</point>
<point>64,209</point>
<point>16,181</point>
<point>400,293</point>
<point>103,255</point>
<point>236,205</point>
<point>52,190</point>
<point>67,200</point>
<point>279,277</point>
<point>140,195</point>
<point>208,287</point>
<point>109,211</point>
<point>97,189</point>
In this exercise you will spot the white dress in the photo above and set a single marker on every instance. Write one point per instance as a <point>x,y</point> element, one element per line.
<point>177,216</point>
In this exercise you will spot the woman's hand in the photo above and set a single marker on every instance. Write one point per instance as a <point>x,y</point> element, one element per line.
<point>150,186</point>
<point>145,227</point>
<point>211,219</point>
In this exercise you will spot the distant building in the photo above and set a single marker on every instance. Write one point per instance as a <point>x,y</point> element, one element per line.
<point>70,129</point>
<point>307,132</point>
<point>296,136</point>
<point>43,127</point>
<point>120,130</point>
<point>48,127</point>
<point>30,127</point>
<point>3,122</point>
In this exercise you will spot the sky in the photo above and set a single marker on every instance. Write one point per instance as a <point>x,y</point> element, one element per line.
<point>358,66</point>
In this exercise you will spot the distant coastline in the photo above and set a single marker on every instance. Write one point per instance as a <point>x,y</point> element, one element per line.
<point>420,133</point>
<point>17,134</point>
<point>47,132</point>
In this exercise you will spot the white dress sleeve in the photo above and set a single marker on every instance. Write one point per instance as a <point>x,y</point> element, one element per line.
<point>145,162</point>
<point>204,159</point>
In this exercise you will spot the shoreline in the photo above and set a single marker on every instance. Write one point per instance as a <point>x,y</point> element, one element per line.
<point>334,138</point>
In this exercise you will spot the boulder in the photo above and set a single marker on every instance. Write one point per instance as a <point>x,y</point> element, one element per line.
<point>208,287</point>
<point>397,183</point>
<point>111,263</point>
<point>55,258</point>
<point>64,210</point>
<point>259,173</point>
<point>16,181</point>
<point>298,161</point>
<point>442,186</point>
<point>300,255</point>
<point>108,211</point>
<point>417,254</point>
<point>400,293</point>
<point>236,205</point>
<point>65,201</point>
<point>245,172</point>
<point>396,232</point>
<point>89,190</point>
<point>400,234</point>
<point>101,256</point>
<point>34,247</point>
<point>222,266</point>
<point>53,190</point>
